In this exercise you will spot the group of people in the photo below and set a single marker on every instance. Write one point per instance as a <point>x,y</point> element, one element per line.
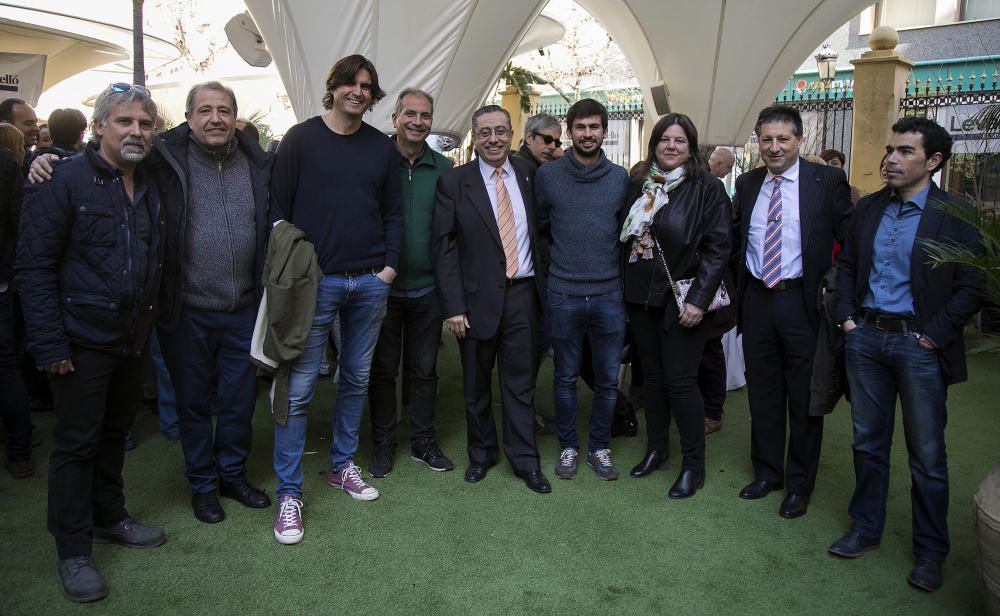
<point>200,234</point>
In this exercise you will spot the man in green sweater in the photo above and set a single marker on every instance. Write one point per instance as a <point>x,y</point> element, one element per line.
<point>414,310</point>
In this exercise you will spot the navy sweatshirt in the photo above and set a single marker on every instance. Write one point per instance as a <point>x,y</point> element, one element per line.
<point>342,191</point>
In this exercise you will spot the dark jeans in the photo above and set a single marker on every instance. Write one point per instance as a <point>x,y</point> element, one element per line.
<point>417,322</point>
<point>209,355</point>
<point>880,366</point>
<point>13,396</point>
<point>601,320</point>
<point>94,408</point>
<point>670,360</point>
<point>712,378</point>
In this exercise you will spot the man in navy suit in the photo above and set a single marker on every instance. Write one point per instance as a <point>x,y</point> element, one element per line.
<point>902,318</point>
<point>789,213</point>
<point>488,269</point>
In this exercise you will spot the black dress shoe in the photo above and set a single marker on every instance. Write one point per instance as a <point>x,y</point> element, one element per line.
<point>207,508</point>
<point>653,460</point>
<point>794,506</point>
<point>688,482</point>
<point>852,545</point>
<point>245,492</point>
<point>759,489</point>
<point>476,472</point>
<point>535,481</point>
<point>926,575</point>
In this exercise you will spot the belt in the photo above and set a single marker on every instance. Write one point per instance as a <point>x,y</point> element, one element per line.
<point>782,285</point>
<point>510,282</point>
<point>888,322</point>
<point>372,269</point>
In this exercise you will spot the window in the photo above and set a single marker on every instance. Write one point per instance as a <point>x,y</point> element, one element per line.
<point>907,13</point>
<point>980,9</point>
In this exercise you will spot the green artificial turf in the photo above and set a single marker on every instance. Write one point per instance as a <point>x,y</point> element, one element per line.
<point>433,544</point>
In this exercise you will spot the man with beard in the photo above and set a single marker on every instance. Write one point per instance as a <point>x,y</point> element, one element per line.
<point>22,115</point>
<point>414,309</point>
<point>580,199</point>
<point>88,266</point>
<point>489,271</point>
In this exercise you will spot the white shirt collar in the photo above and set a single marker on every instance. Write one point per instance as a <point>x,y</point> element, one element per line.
<point>790,175</point>
<point>487,170</point>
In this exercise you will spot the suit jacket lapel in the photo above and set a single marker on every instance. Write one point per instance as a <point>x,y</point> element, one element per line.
<point>927,228</point>
<point>809,200</point>
<point>476,189</point>
<point>527,197</point>
<point>754,182</point>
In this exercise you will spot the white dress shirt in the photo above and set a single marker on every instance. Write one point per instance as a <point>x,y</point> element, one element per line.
<point>524,265</point>
<point>791,228</point>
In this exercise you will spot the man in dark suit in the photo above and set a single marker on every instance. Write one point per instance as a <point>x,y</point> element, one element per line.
<point>789,213</point>
<point>488,269</point>
<point>902,318</point>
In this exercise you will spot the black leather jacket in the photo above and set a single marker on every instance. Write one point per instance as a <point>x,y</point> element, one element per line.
<point>693,230</point>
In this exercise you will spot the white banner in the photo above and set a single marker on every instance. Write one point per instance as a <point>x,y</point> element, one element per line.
<point>21,76</point>
<point>970,137</point>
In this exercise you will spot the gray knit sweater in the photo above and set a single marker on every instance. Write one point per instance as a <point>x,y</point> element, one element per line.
<point>582,205</point>
<point>220,233</point>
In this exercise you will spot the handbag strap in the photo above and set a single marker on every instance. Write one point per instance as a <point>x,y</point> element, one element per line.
<point>670,278</point>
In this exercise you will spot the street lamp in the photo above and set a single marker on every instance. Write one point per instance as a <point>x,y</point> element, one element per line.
<point>826,64</point>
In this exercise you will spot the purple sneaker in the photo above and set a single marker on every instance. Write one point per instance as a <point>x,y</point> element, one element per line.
<point>288,525</point>
<point>348,479</point>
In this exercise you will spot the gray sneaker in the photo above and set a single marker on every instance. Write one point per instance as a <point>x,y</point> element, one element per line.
<point>80,579</point>
<point>600,461</point>
<point>566,467</point>
<point>130,533</point>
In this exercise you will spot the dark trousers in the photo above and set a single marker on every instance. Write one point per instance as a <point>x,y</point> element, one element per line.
<point>209,356</point>
<point>412,327</point>
<point>882,365</point>
<point>712,378</point>
<point>513,346</point>
<point>779,346</point>
<point>670,360</point>
<point>13,396</point>
<point>94,407</point>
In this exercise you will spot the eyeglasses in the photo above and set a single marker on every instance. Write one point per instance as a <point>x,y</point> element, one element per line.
<point>548,139</point>
<point>499,131</point>
<point>130,87</point>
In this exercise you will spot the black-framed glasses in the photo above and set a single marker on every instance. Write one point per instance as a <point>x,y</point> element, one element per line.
<point>548,139</point>
<point>499,131</point>
<point>130,87</point>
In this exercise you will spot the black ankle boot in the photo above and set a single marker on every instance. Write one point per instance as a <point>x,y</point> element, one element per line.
<point>652,461</point>
<point>688,482</point>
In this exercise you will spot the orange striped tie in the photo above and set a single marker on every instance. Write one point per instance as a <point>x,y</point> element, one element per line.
<point>505,220</point>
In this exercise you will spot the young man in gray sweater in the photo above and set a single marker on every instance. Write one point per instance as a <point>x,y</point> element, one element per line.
<point>580,198</point>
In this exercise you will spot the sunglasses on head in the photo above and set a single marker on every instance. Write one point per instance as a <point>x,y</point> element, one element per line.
<point>130,87</point>
<point>548,139</point>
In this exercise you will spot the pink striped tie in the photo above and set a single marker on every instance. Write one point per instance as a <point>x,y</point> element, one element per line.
<point>505,220</point>
<point>771,268</point>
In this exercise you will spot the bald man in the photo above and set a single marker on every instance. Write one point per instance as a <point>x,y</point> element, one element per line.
<point>720,163</point>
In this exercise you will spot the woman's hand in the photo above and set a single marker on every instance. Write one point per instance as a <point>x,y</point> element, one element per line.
<point>691,315</point>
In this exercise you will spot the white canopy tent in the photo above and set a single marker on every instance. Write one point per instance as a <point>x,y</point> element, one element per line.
<point>718,61</point>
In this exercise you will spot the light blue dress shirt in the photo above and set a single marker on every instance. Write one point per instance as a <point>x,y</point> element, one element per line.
<point>791,229</point>
<point>525,267</point>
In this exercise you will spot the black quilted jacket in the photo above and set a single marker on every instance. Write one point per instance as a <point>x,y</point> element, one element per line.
<point>73,262</point>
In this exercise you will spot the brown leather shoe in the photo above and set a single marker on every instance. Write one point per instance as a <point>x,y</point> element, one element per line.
<point>712,425</point>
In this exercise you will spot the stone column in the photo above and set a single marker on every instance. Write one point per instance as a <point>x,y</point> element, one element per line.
<point>879,84</point>
<point>511,101</point>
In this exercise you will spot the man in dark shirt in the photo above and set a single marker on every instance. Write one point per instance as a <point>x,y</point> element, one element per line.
<point>88,265</point>
<point>337,179</point>
<point>902,317</point>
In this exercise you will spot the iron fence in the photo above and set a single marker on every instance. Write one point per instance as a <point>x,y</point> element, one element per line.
<point>623,142</point>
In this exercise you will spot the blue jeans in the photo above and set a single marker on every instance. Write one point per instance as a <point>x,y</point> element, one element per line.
<point>601,318</point>
<point>210,368</point>
<point>880,366</point>
<point>360,304</point>
<point>166,402</point>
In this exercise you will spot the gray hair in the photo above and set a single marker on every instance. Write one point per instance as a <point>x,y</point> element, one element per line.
<point>540,122</point>
<point>209,85</point>
<point>412,92</point>
<point>489,109</point>
<point>109,98</point>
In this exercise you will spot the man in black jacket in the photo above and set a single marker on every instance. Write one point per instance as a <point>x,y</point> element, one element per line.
<point>88,265</point>
<point>214,182</point>
<point>789,213</point>
<point>902,318</point>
